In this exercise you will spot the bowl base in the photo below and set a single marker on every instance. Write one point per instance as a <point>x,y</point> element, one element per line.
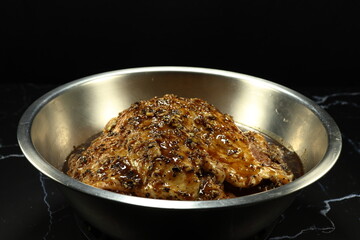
<point>91,233</point>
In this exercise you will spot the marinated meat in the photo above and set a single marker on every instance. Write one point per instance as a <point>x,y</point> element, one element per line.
<point>178,148</point>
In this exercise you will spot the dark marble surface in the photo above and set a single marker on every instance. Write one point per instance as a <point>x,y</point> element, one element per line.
<point>31,206</point>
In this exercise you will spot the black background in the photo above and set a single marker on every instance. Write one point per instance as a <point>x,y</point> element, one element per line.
<point>293,42</point>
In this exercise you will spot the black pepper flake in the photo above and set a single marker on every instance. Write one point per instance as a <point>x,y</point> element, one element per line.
<point>129,184</point>
<point>176,169</point>
<point>151,145</point>
<point>209,128</point>
<point>83,159</point>
<point>231,152</point>
<point>129,148</point>
<point>110,134</point>
<point>88,171</point>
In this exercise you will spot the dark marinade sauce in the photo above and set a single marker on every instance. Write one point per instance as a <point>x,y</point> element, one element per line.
<point>291,159</point>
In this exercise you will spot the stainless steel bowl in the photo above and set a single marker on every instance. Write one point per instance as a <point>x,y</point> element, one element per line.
<point>69,114</point>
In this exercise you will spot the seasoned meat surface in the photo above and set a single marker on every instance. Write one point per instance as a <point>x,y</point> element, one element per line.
<point>178,148</point>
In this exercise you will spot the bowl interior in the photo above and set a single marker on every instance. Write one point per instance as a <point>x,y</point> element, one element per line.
<point>68,115</point>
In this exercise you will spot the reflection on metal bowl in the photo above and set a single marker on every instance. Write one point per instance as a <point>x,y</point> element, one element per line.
<point>68,115</point>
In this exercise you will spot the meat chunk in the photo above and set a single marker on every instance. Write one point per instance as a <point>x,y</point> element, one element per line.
<point>178,148</point>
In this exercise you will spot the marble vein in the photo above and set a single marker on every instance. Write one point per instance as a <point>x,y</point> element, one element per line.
<point>355,145</point>
<point>334,99</point>
<point>11,156</point>
<point>50,213</point>
<point>42,180</point>
<point>324,212</point>
<point>326,102</point>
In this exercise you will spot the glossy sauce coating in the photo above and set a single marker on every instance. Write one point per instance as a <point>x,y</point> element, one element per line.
<point>179,148</point>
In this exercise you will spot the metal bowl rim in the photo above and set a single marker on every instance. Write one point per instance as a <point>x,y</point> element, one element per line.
<point>30,152</point>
